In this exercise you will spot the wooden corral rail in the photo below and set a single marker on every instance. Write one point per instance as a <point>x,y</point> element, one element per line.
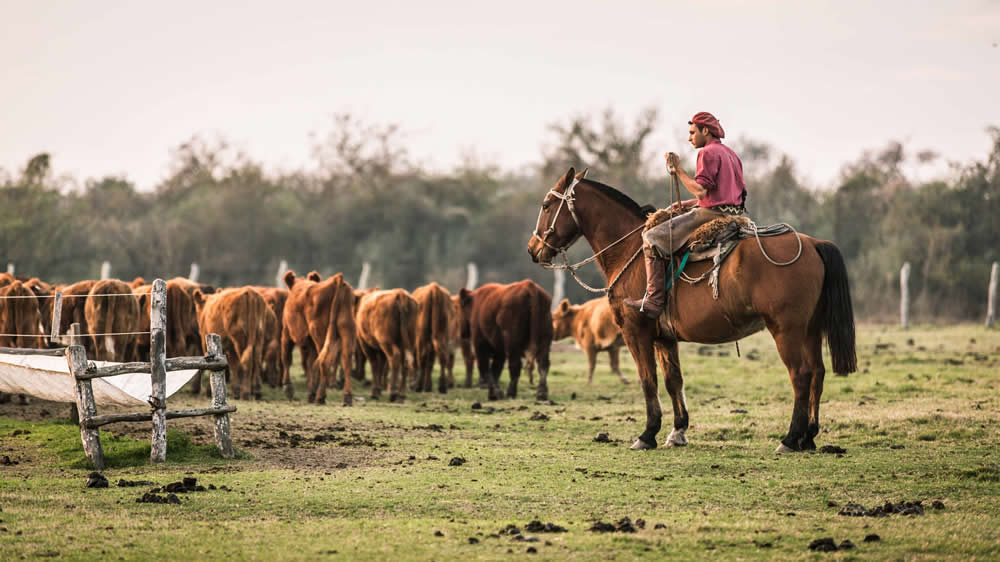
<point>158,366</point>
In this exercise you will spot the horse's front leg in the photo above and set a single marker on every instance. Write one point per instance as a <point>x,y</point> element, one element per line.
<point>639,339</point>
<point>669,359</point>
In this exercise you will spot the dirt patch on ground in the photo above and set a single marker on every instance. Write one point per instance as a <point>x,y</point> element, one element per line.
<point>272,441</point>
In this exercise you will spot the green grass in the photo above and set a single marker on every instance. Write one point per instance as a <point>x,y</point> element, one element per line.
<point>377,483</point>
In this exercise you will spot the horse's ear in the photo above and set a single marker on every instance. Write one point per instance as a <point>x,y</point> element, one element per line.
<point>582,174</point>
<point>568,178</point>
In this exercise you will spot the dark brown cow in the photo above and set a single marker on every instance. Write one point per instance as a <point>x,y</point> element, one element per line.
<point>188,321</point>
<point>238,317</point>
<point>111,315</point>
<point>141,344</point>
<point>592,326</point>
<point>433,338</point>
<point>506,322</point>
<point>20,318</point>
<point>387,322</point>
<point>275,299</point>
<point>319,318</point>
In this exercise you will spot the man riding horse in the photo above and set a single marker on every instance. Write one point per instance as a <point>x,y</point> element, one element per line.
<point>719,190</point>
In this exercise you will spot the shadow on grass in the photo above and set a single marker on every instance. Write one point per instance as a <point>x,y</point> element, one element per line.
<point>62,439</point>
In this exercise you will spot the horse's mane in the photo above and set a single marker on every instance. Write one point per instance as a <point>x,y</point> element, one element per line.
<point>640,211</point>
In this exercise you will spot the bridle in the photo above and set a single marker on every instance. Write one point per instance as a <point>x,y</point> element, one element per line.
<point>567,199</point>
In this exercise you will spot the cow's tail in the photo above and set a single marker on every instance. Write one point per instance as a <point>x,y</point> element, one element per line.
<point>341,298</point>
<point>110,307</point>
<point>250,355</point>
<point>834,313</point>
<point>408,310</point>
<point>540,337</point>
<point>439,321</point>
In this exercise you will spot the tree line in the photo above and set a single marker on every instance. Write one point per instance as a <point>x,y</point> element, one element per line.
<point>368,200</point>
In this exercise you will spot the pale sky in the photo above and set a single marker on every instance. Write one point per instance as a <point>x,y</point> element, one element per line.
<point>109,88</point>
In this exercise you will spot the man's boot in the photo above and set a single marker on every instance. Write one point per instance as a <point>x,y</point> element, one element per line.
<point>652,303</point>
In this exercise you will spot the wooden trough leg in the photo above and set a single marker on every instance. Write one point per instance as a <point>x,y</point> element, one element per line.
<point>223,435</point>
<point>157,357</point>
<point>91,437</point>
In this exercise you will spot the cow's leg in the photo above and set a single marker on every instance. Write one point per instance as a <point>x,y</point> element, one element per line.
<point>542,360</point>
<point>496,369</point>
<point>669,359</point>
<point>514,363</point>
<point>615,366</point>
<point>639,339</point>
<point>347,360</point>
<point>378,362</point>
<point>442,356</point>
<point>591,351</point>
<point>468,358</point>
<point>308,353</point>
<point>397,374</point>
<point>483,357</point>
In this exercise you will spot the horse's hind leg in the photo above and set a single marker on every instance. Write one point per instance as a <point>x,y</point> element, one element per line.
<point>814,357</point>
<point>793,348</point>
<point>669,359</point>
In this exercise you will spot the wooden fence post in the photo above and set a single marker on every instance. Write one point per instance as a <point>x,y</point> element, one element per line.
<point>56,317</point>
<point>105,270</point>
<point>559,288</point>
<point>991,299</point>
<point>472,276</point>
<point>91,437</point>
<point>366,269</point>
<point>223,435</point>
<point>279,280</point>
<point>194,274</point>
<point>158,357</point>
<point>73,338</point>
<point>904,300</point>
<point>10,268</point>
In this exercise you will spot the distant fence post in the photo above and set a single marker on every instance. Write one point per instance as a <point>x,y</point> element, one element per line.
<point>157,359</point>
<point>904,299</point>
<point>366,269</point>
<point>280,279</point>
<point>471,276</point>
<point>56,317</point>
<point>10,268</point>
<point>105,270</point>
<point>559,289</point>
<point>195,272</point>
<point>991,299</point>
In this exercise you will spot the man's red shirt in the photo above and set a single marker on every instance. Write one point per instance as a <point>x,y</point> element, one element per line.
<point>720,172</point>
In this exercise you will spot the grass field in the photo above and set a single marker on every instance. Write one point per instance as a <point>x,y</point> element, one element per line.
<point>918,422</point>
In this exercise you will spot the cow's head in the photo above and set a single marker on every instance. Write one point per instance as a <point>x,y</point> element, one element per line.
<point>562,320</point>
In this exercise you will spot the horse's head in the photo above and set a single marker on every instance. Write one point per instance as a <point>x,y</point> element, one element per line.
<point>557,227</point>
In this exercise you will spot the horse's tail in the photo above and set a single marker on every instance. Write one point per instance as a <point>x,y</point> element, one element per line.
<point>835,313</point>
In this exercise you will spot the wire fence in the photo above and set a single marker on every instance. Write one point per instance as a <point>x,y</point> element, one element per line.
<point>65,296</point>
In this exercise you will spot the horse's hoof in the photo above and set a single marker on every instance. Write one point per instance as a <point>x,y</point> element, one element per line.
<point>676,439</point>
<point>641,445</point>
<point>782,448</point>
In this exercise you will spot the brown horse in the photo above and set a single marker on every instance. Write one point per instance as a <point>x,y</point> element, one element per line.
<point>799,304</point>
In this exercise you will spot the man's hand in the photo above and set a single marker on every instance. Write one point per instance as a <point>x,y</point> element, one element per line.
<point>673,162</point>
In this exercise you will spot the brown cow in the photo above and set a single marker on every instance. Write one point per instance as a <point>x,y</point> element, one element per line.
<point>460,341</point>
<point>506,322</point>
<point>275,298</point>
<point>592,325</point>
<point>142,342</point>
<point>238,317</point>
<point>433,338</point>
<point>319,318</point>
<point>20,318</point>
<point>44,293</point>
<point>188,322</point>
<point>74,309</point>
<point>387,322</point>
<point>111,315</point>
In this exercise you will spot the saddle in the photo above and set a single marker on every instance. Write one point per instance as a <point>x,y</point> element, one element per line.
<point>714,240</point>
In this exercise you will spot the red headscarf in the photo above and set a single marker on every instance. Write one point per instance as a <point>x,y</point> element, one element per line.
<point>706,119</point>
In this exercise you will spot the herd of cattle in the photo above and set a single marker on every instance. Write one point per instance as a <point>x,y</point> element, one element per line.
<point>336,328</point>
